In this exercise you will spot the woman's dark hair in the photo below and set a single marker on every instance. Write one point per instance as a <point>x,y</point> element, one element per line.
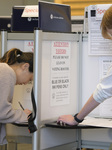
<point>16,55</point>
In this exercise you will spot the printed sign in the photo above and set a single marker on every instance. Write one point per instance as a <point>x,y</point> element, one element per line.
<point>96,43</point>
<point>100,10</point>
<point>105,64</point>
<point>60,73</point>
<point>28,46</point>
<point>30,11</point>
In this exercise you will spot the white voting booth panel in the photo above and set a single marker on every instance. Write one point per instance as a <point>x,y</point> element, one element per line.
<point>91,75</point>
<point>48,48</point>
<point>90,72</point>
<point>49,111</point>
<point>98,58</point>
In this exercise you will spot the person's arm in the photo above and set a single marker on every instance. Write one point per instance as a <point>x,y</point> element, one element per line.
<point>102,92</point>
<point>88,107</point>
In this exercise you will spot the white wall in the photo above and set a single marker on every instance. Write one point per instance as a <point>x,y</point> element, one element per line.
<point>31,2</point>
<point>6,5</point>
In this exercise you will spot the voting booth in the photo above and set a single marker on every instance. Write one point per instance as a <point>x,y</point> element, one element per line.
<point>96,60</point>
<point>46,16</point>
<point>54,72</point>
<point>23,24</point>
<point>67,68</point>
<point>55,68</point>
<point>5,23</point>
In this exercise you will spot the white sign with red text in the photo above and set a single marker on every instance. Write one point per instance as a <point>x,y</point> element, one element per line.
<point>28,46</point>
<point>100,10</point>
<point>30,11</point>
<point>60,73</point>
<point>96,43</point>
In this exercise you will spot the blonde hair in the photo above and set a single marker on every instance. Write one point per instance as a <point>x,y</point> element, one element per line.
<point>106,23</point>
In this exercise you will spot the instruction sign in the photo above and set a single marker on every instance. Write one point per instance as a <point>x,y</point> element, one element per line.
<point>28,46</point>
<point>60,73</point>
<point>97,44</point>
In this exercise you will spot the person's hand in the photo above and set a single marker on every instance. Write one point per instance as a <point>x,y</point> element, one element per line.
<point>68,119</point>
<point>27,112</point>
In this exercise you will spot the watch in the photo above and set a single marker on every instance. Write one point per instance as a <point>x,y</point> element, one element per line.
<point>76,119</point>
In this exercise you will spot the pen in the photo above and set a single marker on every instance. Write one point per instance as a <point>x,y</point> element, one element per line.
<point>21,105</point>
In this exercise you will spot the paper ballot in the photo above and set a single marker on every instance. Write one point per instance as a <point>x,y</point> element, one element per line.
<point>98,122</point>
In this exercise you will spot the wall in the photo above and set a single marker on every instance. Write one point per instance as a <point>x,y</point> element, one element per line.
<point>6,6</point>
<point>77,6</point>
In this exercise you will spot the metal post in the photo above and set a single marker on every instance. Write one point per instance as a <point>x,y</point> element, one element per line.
<point>3,42</point>
<point>80,73</point>
<point>37,86</point>
<point>79,88</point>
